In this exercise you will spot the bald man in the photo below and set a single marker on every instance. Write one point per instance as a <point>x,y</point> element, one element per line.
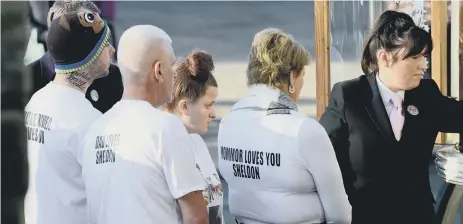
<point>137,160</point>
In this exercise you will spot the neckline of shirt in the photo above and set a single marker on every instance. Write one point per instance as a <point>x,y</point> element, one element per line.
<point>386,93</point>
<point>66,89</point>
<point>135,101</point>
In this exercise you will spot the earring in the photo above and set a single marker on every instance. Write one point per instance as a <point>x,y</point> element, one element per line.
<point>292,89</point>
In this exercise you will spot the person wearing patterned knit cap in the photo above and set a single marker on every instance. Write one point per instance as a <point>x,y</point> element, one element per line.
<point>57,114</point>
<point>102,93</point>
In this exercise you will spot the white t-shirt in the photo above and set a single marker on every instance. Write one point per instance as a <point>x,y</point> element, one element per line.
<point>279,165</point>
<point>55,117</point>
<point>212,188</point>
<point>136,162</point>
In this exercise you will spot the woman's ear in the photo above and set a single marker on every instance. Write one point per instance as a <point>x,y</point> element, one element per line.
<point>292,79</point>
<point>292,83</point>
<point>183,107</point>
<point>383,58</point>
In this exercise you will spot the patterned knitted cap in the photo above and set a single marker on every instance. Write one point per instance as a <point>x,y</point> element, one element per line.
<point>76,39</point>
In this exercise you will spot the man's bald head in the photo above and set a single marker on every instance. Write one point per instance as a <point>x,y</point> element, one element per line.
<point>142,45</point>
<point>146,59</point>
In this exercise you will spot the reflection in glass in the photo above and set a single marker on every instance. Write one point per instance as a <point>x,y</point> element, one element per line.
<point>348,29</point>
<point>349,26</point>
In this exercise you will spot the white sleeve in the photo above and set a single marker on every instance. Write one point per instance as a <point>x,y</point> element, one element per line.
<point>317,152</point>
<point>77,139</point>
<point>202,152</point>
<point>178,161</point>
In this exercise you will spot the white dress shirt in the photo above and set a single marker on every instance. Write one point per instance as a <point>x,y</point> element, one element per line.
<point>387,94</point>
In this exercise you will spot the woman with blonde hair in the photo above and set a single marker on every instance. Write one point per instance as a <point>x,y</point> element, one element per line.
<point>279,164</point>
<point>193,98</point>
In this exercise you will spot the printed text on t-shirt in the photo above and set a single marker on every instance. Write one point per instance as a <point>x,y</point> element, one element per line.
<point>36,125</point>
<point>246,162</point>
<point>104,145</point>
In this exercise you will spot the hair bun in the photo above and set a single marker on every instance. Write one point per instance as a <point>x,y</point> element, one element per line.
<point>200,65</point>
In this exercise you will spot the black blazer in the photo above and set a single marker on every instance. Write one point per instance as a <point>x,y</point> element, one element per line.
<point>103,93</point>
<point>387,180</point>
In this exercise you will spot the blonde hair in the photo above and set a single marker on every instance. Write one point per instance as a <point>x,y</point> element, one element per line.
<point>274,55</point>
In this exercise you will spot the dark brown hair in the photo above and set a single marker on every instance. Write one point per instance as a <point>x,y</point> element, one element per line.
<point>193,77</point>
<point>394,31</point>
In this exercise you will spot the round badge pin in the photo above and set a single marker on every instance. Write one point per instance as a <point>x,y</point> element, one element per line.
<point>94,95</point>
<point>413,110</point>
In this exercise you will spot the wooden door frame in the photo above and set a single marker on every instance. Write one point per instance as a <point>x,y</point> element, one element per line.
<point>461,59</point>
<point>322,55</point>
<point>439,70</point>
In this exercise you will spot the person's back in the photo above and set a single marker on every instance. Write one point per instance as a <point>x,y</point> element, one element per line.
<point>53,117</point>
<point>57,116</point>
<point>138,163</point>
<point>124,168</point>
<point>268,166</point>
<point>280,165</point>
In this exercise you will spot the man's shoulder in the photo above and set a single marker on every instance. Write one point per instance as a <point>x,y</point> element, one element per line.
<point>85,114</point>
<point>156,118</point>
<point>170,120</point>
<point>90,113</point>
<point>170,124</point>
<point>40,97</point>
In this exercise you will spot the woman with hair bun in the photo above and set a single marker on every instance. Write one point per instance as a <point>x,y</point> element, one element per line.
<point>383,125</point>
<point>193,98</point>
<point>279,164</point>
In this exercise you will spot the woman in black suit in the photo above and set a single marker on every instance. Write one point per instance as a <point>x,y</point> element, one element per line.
<point>383,125</point>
